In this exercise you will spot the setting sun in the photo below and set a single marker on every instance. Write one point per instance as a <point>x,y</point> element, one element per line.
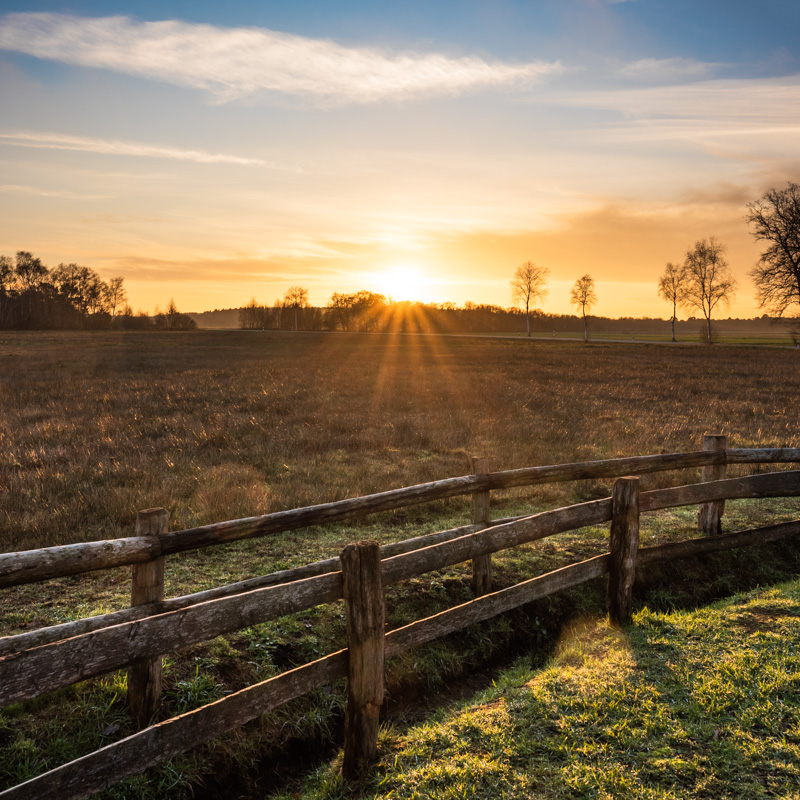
<point>404,283</point>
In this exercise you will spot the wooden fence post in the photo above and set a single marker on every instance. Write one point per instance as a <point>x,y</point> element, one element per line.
<point>364,608</point>
<point>147,586</point>
<point>709,515</point>
<point>482,565</point>
<point>623,546</point>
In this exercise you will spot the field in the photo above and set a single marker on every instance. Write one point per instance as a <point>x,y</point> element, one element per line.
<point>216,425</point>
<point>219,425</point>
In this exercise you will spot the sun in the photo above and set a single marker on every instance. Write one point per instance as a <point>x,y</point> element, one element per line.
<point>404,282</point>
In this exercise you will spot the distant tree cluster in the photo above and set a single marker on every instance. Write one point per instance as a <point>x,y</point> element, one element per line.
<point>67,296</point>
<point>70,296</point>
<point>702,283</point>
<point>292,313</point>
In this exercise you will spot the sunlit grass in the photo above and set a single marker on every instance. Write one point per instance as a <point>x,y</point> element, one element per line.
<point>221,425</point>
<point>700,704</point>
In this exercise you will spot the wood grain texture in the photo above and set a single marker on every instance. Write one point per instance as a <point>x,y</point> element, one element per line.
<point>62,663</point>
<point>762,455</point>
<point>490,605</point>
<point>365,613</point>
<point>623,546</point>
<point>726,541</point>
<point>770,484</point>
<point>709,515</point>
<point>34,672</point>
<point>136,753</point>
<point>479,510</point>
<point>66,630</point>
<point>147,586</point>
<point>32,566</point>
<point>490,540</point>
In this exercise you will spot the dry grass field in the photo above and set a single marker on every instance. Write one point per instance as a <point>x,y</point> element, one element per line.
<point>217,425</point>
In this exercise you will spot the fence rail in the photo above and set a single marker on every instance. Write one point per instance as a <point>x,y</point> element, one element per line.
<point>37,662</point>
<point>31,566</point>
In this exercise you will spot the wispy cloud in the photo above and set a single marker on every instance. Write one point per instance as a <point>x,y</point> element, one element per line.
<point>60,141</point>
<point>724,108</point>
<point>757,100</point>
<point>34,191</point>
<point>235,62</point>
<point>662,69</point>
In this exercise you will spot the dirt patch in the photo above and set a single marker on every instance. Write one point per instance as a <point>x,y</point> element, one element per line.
<point>762,618</point>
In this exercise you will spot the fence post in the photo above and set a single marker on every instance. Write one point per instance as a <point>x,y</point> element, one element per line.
<point>147,586</point>
<point>482,565</point>
<point>709,514</point>
<point>623,546</point>
<point>364,609</point>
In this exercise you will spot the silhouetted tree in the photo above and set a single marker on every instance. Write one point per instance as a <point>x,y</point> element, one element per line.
<point>254,316</point>
<point>295,297</point>
<point>584,297</point>
<point>776,220</point>
<point>30,271</point>
<point>115,295</point>
<point>7,282</point>
<point>709,279</point>
<point>172,320</point>
<point>527,287</point>
<point>672,287</point>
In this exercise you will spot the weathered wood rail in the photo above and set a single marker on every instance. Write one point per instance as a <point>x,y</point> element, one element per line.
<point>37,662</point>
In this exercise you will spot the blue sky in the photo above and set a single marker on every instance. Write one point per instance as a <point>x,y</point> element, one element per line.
<point>212,152</point>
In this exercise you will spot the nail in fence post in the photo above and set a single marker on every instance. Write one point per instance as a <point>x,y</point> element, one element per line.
<point>482,565</point>
<point>147,586</point>
<point>623,546</point>
<point>365,612</point>
<point>709,515</point>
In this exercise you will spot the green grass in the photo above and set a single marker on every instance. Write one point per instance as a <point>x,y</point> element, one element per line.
<point>217,425</point>
<point>40,734</point>
<point>688,704</point>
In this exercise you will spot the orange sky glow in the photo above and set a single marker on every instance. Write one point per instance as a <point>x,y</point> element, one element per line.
<point>422,156</point>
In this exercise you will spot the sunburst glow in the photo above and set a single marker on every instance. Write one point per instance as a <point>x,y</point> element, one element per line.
<point>404,282</point>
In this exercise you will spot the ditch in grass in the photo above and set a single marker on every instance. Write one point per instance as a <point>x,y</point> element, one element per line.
<point>270,753</point>
<point>682,704</point>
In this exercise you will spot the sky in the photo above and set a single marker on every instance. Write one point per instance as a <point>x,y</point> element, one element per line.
<point>214,152</point>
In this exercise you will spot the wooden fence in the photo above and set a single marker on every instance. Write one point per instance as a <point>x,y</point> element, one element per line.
<point>37,662</point>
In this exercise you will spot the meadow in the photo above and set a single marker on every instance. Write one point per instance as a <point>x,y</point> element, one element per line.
<point>217,425</point>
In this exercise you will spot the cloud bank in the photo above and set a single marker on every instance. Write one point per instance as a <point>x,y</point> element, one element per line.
<point>236,62</point>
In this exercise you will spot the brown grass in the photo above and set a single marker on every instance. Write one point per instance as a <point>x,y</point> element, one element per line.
<point>218,425</point>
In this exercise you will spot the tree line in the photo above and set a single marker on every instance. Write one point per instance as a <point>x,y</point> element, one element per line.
<point>703,281</point>
<point>700,284</point>
<point>72,297</point>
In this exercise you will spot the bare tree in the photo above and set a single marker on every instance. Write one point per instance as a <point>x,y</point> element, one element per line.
<point>709,280</point>
<point>584,297</point>
<point>527,287</point>
<point>295,297</point>
<point>115,295</point>
<point>672,287</point>
<point>776,220</point>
